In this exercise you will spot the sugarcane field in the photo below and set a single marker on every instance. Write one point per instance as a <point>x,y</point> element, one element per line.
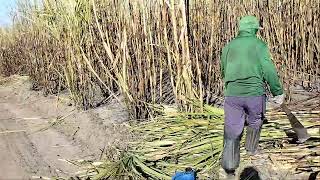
<point>159,90</point>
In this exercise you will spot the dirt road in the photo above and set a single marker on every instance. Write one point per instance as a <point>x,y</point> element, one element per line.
<point>32,147</point>
<point>25,153</point>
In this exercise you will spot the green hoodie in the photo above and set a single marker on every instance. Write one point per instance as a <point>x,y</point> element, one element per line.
<point>246,66</point>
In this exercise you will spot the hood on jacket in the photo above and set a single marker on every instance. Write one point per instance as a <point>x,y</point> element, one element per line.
<point>247,23</point>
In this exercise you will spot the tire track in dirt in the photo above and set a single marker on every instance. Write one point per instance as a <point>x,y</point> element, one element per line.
<point>25,154</point>
<point>78,135</point>
<point>22,153</point>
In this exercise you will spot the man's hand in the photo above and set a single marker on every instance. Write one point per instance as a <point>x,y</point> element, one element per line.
<point>279,100</point>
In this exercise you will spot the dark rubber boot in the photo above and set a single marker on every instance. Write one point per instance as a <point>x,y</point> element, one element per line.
<point>252,140</point>
<point>231,155</point>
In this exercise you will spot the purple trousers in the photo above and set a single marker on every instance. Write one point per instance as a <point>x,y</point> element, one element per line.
<point>239,110</point>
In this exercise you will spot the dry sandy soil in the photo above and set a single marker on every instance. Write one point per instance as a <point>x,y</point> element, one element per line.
<point>32,147</point>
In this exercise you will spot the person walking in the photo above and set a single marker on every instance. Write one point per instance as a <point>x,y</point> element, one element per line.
<point>246,68</point>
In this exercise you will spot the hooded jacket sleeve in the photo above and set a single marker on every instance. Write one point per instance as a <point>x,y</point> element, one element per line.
<point>269,71</point>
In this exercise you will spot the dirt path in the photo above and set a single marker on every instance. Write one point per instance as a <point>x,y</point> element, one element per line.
<point>31,148</point>
<point>25,153</point>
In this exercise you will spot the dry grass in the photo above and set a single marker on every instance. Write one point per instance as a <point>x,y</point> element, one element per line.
<point>144,50</point>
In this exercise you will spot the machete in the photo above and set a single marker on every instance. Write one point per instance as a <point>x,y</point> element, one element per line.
<point>298,128</point>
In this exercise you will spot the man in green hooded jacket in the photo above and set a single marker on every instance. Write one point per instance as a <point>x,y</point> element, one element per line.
<point>246,68</point>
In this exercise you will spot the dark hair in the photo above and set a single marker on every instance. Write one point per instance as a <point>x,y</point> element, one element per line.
<point>250,173</point>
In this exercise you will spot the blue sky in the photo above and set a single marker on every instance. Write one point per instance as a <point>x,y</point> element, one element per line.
<point>6,7</point>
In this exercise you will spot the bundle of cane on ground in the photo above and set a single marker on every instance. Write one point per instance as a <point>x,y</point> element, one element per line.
<point>179,140</point>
